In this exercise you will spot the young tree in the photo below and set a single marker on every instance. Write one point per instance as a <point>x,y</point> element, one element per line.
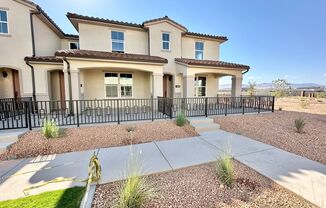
<point>281,87</point>
<point>252,88</point>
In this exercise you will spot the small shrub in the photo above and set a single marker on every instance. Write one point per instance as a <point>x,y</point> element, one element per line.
<point>280,108</point>
<point>321,95</point>
<point>135,190</point>
<point>224,170</point>
<point>299,125</point>
<point>130,129</point>
<point>94,169</point>
<point>181,119</point>
<point>304,103</point>
<point>50,129</point>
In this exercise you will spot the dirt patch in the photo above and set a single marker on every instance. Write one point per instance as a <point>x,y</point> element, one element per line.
<point>198,187</point>
<point>85,138</point>
<point>278,130</point>
<point>299,104</point>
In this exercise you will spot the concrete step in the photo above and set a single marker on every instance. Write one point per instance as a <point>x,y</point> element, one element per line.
<point>9,138</point>
<point>200,120</point>
<point>203,127</point>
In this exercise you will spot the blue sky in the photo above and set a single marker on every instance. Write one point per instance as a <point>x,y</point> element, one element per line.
<point>277,38</point>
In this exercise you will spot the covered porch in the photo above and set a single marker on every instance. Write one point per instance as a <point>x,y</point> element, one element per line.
<point>200,78</point>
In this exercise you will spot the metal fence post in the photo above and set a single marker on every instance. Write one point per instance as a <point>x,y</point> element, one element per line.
<point>152,108</point>
<point>28,114</point>
<point>226,106</point>
<point>273,103</point>
<point>206,106</point>
<point>259,104</point>
<point>77,109</point>
<point>118,111</point>
<point>243,106</point>
<point>171,104</point>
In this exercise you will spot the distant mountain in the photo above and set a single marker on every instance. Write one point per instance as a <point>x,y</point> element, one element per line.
<point>271,86</point>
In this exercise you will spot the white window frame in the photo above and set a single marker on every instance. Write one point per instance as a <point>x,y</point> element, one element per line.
<point>118,41</point>
<point>7,22</point>
<point>166,41</point>
<point>199,50</point>
<point>74,42</point>
<point>119,85</point>
<point>196,86</point>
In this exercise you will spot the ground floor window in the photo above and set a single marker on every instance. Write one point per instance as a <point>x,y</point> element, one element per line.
<point>200,86</point>
<point>118,84</point>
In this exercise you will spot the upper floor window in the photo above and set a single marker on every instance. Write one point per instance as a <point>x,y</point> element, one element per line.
<point>74,45</point>
<point>4,22</point>
<point>118,41</point>
<point>166,41</point>
<point>199,50</point>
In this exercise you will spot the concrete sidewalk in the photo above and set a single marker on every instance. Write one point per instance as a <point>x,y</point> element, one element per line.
<point>300,175</point>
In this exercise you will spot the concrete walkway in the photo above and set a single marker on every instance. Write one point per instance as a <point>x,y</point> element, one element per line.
<point>298,174</point>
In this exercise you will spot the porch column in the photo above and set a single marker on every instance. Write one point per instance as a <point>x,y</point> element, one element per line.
<point>75,83</point>
<point>217,85</point>
<point>236,86</point>
<point>189,86</point>
<point>157,85</point>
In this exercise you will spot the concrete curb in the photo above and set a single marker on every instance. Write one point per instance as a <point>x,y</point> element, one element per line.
<point>88,196</point>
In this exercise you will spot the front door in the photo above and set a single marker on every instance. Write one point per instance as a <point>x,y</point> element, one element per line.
<point>15,80</point>
<point>167,85</point>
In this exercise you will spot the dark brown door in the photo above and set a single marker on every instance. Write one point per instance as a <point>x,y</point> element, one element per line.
<point>165,86</point>
<point>62,89</point>
<point>15,79</point>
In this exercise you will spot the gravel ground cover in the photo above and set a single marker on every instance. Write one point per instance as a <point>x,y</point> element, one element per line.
<point>34,143</point>
<point>198,187</point>
<point>311,105</point>
<point>278,130</point>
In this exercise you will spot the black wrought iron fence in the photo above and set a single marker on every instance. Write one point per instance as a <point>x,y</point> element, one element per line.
<point>31,114</point>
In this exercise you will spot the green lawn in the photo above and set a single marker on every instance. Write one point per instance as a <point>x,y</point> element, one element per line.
<point>62,198</point>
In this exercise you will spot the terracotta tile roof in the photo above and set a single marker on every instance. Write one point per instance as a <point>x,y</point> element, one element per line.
<point>51,59</point>
<point>110,56</point>
<point>211,63</point>
<point>165,18</point>
<point>97,19</point>
<point>223,38</point>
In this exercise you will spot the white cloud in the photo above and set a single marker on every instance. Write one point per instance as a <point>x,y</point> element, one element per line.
<point>324,75</point>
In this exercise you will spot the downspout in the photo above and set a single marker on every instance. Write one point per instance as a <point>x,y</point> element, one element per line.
<point>69,85</point>
<point>33,54</point>
<point>33,79</point>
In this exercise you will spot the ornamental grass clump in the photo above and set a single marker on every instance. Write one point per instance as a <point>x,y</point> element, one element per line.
<point>135,191</point>
<point>224,170</point>
<point>50,129</point>
<point>299,125</point>
<point>181,119</point>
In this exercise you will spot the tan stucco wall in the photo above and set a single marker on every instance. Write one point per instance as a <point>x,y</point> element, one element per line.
<point>15,46</point>
<point>211,48</point>
<point>65,43</point>
<point>94,87</point>
<point>155,32</point>
<point>6,84</point>
<point>46,40</point>
<point>98,37</point>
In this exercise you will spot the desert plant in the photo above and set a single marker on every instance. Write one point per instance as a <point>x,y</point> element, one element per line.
<point>130,130</point>
<point>281,88</point>
<point>252,88</point>
<point>181,119</point>
<point>321,95</point>
<point>280,108</point>
<point>299,124</point>
<point>94,169</point>
<point>304,103</point>
<point>224,169</point>
<point>135,191</point>
<point>50,129</point>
